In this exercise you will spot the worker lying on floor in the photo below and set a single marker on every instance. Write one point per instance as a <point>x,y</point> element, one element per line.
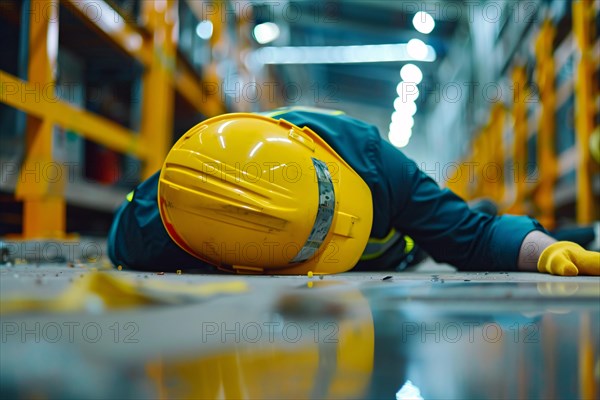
<point>296,191</point>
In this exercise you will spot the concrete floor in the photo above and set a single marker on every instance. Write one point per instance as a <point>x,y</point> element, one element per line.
<point>430,332</point>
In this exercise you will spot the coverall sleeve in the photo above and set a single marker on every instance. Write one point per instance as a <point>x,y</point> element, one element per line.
<point>444,225</point>
<point>138,240</point>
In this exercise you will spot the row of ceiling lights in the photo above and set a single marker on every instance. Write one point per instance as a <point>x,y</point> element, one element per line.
<point>405,105</point>
<point>402,119</point>
<point>263,33</point>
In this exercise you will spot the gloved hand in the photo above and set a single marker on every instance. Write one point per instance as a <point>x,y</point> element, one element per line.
<point>568,259</point>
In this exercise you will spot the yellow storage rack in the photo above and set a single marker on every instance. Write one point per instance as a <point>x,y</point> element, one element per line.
<point>584,19</point>
<point>153,44</point>
<point>538,196</point>
<point>543,194</point>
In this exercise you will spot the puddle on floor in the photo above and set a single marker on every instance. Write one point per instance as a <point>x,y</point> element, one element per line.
<point>385,339</point>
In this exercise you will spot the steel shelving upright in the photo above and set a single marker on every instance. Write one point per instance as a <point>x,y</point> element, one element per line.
<point>552,67</point>
<point>148,38</point>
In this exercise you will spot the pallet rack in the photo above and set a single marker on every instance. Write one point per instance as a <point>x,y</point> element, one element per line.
<point>545,159</point>
<point>149,38</point>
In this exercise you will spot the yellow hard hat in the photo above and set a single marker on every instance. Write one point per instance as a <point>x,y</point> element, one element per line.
<point>252,194</point>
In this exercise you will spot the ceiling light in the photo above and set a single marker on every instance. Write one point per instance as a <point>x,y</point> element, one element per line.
<point>405,107</point>
<point>407,91</point>
<point>399,138</point>
<point>417,49</point>
<point>266,32</point>
<point>343,54</point>
<point>423,22</point>
<point>204,29</point>
<point>404,126</point>
<point>411,73</point>
<point>402,119</point>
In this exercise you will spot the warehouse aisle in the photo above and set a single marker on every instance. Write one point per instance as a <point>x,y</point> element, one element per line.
<point>357,335</point>
<point>305,137</point>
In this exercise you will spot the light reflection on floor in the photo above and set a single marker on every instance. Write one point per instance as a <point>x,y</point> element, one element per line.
<point>354,337</point>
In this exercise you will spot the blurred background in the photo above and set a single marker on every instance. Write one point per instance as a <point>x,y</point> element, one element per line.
<point>495,99</point>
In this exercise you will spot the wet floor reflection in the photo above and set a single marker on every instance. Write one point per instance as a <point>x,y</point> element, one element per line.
<point>515,341</point>
<point>333,340</point>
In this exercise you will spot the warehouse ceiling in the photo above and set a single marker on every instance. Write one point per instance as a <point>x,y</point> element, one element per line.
<point>365,89</point>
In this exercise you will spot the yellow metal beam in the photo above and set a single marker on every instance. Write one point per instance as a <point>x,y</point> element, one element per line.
<point>476,189</point>
<point>487,164</point>
<point>459,182</point>
<point>158,99</point>
<point>133,41</point>
<point>204,96</point>
<point>546,152</point>
<point>481,152</point>
<point>40,101</point>
<point>153,46</point>
<point>583,25</point>
<point>519,113</point>
<point>41,190</point>
<point>496,145</point>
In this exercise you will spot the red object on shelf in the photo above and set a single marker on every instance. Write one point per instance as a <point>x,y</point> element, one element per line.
<point>103,165</point>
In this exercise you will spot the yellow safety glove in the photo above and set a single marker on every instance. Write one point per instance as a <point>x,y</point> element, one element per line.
<point>569,259</point>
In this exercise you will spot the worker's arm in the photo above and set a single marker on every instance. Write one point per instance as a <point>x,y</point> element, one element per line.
<point>451,232</point>
<point>444,225</point>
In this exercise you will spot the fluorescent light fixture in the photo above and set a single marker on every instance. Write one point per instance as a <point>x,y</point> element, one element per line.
<point>411,73</point>
<point>400,130</point>
<point>423,22</point>
<point>399,138</point>
<point>404,125</point>
<point>344,54</point>
<point>404,107</point>
<point>204,29</point>
<point>266,32</point>
<point>407,91</point>
<point>402,119</point>
<point>417,50</point>
<point>398,117</point>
